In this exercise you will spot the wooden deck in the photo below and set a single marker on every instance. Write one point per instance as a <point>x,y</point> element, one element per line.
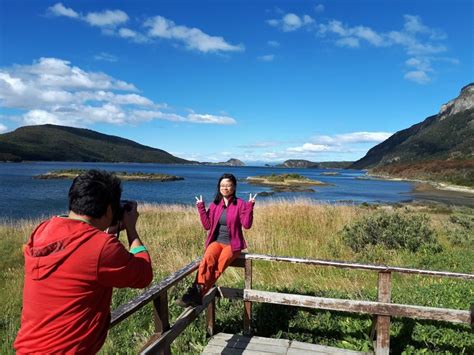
<point>230,344</point>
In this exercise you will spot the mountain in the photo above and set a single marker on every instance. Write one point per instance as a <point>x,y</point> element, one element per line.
<point>301,163</point>
<point>230,162</point>
<point>421,151</point>
<point>60,143</point>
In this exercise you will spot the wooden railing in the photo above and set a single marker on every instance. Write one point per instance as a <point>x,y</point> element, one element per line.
<point>383,309</point>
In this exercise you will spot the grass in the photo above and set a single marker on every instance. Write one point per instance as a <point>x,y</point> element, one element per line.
<point>299,229</point>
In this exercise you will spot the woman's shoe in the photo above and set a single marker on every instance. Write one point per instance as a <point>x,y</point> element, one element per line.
<point>192,297</point>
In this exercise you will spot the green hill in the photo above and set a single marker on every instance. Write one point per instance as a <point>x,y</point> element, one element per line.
<point>60,143</point>
<point>421,151</point>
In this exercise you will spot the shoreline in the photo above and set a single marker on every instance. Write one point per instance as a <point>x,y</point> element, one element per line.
<point>435,185</point>
<point>438,192</point>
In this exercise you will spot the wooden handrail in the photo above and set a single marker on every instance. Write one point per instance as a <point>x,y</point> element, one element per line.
<point>382,309</point>
<point>153,292</point>
<point>364,307</point>
<point>349,265</point>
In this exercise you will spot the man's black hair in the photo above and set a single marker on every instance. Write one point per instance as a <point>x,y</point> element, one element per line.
<point>92,191</point>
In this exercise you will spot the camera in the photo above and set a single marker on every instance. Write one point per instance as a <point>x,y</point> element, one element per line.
<point>125,206</point>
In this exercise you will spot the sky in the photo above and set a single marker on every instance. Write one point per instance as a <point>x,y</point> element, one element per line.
<point>261,81</point>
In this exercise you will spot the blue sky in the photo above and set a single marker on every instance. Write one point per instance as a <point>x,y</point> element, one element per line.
<point>261,81</point>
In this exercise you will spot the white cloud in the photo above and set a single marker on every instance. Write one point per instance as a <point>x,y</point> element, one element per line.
<point>418,41</point>
<point>192,38</point>
<point>157,27</point>
<point>51,90</point>
<point>3,128</point>
<point>266,58</point>
<point>60,10</point>
<point>107,18</point>
<point>274,44</point>
<point>35,117</point>
<point>350,42</point>
<point>127,33</point>
<point>418,76</point>
<point>107,57</point>
<point>291,22</point>
<point>309,147</point>
<point>206,118</point>
<point>259,145</point>
<point>351,138</point>
<point>319,8</point>
<point>135,36</point>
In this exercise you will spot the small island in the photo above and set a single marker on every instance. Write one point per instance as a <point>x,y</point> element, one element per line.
<point>285,182</point>
<point>330,173</point>
<point>122,175</point>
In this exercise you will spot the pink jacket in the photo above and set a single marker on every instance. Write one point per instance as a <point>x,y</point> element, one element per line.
<point>238,216</point>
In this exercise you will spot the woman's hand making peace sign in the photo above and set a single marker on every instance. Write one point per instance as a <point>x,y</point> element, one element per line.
<point>252,198</point>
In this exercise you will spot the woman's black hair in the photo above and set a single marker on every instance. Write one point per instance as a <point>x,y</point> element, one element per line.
<point>219,196</point>
<point>93,191</point>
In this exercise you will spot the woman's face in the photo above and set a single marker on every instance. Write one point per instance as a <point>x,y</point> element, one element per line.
<point>226,188</point>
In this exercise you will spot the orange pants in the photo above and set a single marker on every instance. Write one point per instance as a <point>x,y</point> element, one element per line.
<point>215,260</point>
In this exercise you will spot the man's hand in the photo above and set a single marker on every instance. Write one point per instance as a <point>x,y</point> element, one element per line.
<point>130,218</point>
<point>129,221</point>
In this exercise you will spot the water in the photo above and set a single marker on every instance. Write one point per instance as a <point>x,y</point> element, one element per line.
<point>22,196</point>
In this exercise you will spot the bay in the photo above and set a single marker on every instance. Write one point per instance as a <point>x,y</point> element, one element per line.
<point>23,196</point>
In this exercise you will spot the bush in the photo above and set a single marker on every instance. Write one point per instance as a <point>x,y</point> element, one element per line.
<point>462,231</point>
<point>393,230</point>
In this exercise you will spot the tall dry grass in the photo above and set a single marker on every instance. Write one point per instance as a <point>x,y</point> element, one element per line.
<point>174,237</point>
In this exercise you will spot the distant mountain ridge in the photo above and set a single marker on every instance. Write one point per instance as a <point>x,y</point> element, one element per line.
<point>230,162</point>
<point>61,143</point>
<point>301,163</point>
<point>421,150</point>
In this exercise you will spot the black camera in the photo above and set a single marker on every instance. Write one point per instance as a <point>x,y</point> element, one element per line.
<point>125,206</point>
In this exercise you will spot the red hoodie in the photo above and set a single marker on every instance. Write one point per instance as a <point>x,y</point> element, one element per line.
<point>70,270</point>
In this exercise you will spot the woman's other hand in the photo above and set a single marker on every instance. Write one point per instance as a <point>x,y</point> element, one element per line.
<point>199,199</point>
<point>252,198</point>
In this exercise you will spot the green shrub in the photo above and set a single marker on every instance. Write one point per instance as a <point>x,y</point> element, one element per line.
<point>393,230</point>
<point>461,231</point>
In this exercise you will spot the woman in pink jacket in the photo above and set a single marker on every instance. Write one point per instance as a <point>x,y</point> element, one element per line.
<point>224,220</point>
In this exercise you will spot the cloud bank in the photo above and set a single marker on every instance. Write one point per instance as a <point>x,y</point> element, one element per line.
<point>421,44</point>
<point>52,90</point>
<point>112,22</point>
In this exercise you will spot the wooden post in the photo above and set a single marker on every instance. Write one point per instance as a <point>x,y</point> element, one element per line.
<point>383,322</point>
<point>248,304</point>
<point>211,317</point>
<point>161,316</point>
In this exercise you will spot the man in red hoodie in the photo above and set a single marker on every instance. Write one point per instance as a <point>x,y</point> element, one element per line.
<point>71,266</point>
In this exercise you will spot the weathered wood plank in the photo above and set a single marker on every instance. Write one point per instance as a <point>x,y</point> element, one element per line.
<point>211,317</point>
<point>231,293</point>
<point>151,293</point>
<point>217,350</point>
<point>161,318</point>
<point>224,343</point>
<point>255,339</point>
<point>247,303</point>
<point>382,346</point>
<point>348,265</point>
<point>181,323</point>
<point>297,347</point>
<point>379,308</point>
<point>250,345</point>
